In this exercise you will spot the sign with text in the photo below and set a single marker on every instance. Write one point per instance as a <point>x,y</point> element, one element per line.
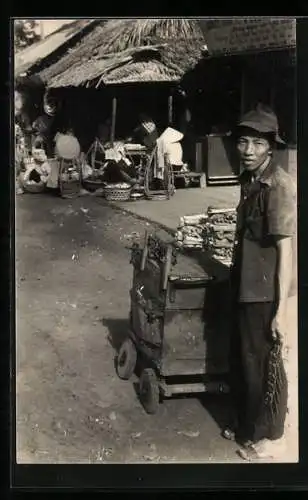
<point>252,35</point>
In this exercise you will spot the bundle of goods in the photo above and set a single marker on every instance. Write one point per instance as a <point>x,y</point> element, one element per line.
<point>35,177</point>
<point>213,232</point>
<point>220,233</point>
<point>36,172</point>
<point>116,153</point>
<point>191,231</point>
<point>118,192</point>
<point>39,155</point>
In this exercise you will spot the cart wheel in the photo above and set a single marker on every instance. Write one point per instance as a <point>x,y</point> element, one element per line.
<point>126,359</point>
<point>149,390</point>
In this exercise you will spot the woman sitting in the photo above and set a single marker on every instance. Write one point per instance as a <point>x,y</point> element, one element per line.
<point>146,132</point>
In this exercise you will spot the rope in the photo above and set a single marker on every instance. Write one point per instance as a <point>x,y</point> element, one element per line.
<point>274,378</point>
<point>93,149</point>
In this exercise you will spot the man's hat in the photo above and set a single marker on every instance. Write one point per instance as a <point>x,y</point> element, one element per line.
<point>262,120</point>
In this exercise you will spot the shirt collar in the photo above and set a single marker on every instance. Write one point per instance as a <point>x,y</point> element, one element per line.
<point>265,177</point>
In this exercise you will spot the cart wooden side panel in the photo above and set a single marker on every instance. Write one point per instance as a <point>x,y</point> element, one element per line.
<point>197,318</point>
<point>196,333</point>
<point>180,315</point>
<point>147,306</point>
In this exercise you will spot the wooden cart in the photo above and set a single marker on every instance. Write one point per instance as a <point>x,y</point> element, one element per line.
<point>179,322</point>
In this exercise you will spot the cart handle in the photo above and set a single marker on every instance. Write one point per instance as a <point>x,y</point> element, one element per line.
<point>191,282</point>
<point>151,309</point>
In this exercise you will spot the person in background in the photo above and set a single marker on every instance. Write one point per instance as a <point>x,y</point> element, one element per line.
<point>42,131</point>
<point>169,149</point>
<point>262,280</point>
<point>146,132</point>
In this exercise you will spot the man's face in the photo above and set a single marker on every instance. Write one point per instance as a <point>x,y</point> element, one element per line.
<point>253,151</point>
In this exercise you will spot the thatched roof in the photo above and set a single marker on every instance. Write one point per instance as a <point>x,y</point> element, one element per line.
<point>131,65</point>
<point>41,50</point>
<point>130,50</point>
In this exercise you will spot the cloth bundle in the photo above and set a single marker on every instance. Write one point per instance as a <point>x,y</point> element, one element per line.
<point>117,153</point>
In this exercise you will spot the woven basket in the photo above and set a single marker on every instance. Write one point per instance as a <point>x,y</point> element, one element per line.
<point>92,185</point>
<point>117,194</point>
<point>38,187</point>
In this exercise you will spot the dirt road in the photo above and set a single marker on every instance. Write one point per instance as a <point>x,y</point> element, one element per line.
<point>73,279</point>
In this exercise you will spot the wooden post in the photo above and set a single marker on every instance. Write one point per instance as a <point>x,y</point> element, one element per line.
<point>170,109</point>
<point>41,26</point>
<point>113,120</point>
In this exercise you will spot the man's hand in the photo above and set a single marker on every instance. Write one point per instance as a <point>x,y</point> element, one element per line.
<point>279,325</point>
<point>284,277</point>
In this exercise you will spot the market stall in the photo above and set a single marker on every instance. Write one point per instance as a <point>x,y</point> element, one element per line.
<point>117,73</point>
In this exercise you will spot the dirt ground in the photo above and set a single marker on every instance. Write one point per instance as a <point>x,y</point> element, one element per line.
<point>73,277</point>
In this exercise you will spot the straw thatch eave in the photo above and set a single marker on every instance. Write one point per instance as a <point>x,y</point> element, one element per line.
<point>105,68</point>
<point>179,44</point>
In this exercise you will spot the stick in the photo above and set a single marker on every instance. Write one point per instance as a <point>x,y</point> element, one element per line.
<point>167,267</point>
<point>144,252</point>
<point>114,112</point>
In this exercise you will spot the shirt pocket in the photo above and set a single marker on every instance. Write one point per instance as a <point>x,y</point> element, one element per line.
<point>254,228</point>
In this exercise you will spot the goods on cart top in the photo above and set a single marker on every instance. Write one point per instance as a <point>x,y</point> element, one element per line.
<point>186,265</point>
<point>213,231</point>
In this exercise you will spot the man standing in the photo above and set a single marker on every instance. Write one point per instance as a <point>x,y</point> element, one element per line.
<point>262,280</point>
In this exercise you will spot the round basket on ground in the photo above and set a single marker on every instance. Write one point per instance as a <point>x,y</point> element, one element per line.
<point>113,193</point>
<point>149,392</point>
<point>33,187</point>
<point>126,359</point>
<point>92,185</point>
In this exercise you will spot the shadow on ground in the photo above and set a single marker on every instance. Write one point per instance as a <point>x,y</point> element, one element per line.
<point>219,406</point>
<point>117,331</point>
